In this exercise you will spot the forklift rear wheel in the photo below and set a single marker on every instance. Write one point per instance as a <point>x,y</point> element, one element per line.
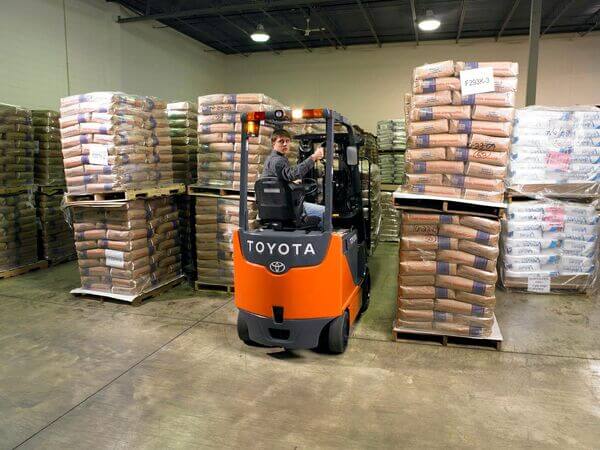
<point>339,330</point>
<point>366,292</point>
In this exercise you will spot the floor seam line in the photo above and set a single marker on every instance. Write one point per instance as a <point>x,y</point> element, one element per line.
<point>115,379</point>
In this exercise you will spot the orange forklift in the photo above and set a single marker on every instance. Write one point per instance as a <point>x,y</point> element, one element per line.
<point>302,284</point>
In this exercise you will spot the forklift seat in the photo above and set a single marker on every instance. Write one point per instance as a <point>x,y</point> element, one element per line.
<point>281,204</point>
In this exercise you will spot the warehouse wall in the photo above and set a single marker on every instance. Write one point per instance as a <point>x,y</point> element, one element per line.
<point>368,83</point>
<point>49,51</point>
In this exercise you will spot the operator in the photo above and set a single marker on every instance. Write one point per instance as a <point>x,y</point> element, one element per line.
<point>277,165</point>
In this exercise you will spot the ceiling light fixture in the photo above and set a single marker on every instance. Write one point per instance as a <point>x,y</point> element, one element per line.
<point>429,23</point>
<point>260,35</point>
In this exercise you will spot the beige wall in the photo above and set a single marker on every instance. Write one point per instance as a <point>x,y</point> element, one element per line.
<point>368,84</point>
<point>101,54</point>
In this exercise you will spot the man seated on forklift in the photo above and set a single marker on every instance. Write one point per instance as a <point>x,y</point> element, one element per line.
<point>278,166</point>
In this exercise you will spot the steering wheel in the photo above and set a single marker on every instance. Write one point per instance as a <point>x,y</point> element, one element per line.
<point>310,186</point>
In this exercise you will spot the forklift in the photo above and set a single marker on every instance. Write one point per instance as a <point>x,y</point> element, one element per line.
<point>302,284</point>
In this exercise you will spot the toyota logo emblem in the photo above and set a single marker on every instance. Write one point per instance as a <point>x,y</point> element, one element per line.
<point>277,267</point>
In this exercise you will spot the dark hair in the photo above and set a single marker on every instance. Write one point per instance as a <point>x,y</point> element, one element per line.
<point>280,133</point>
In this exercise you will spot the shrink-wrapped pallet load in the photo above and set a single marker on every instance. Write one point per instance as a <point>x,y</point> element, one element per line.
<point>49,168</point>
<point>390,219</point>
<point>17,147</point>
<point>56,243</point>
<point>18,230</point>
<point>371,188</point>
<point>183,121</point>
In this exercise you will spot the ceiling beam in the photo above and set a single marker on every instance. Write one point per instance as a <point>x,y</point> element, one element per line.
<point>461,20</point>
<point>369,20</point>
<point>287,29</point>
<point>257,6</point>
<point>307,16</point>
<point>327,24</point>
<point>559,12</point>
<point>414,20</point>
<point>595,19</point>
<point>507,18</point>
<point>224,44</point>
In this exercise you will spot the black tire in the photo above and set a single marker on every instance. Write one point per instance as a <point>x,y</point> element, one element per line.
<point>242,329</point>
<point>366,292</point>
<point>338,333</point>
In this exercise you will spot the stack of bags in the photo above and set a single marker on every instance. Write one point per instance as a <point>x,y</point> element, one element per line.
<point>390,219</point>
<point>447,273</point>
<point>130,248</point>
<point>369,148</point>
<point>549,238</point>
<point>18,231</point>
<point>371,191</point>
<point>391,135</point>
<point>558,148</point>
<point>185,204</point>
<point>49,169</point>
<point>392,168</point>
<point>459,144</point>
<point>56,236</point>
<point>219,136</point>
<point>17,147</point>
<point>216,220</point>
<point>183,121</point>
<point>113,142</point>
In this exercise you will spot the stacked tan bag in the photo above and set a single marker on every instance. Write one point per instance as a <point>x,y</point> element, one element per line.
<point>130,248</point>
<point>447,273</point>
<point>219,136</point>
<point>216,220</point>
<point>114,141</point>
<point>458,144</point>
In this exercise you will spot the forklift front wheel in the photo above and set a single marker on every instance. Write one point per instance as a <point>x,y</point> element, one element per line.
<point>339,330</point>
<point>366,292</point>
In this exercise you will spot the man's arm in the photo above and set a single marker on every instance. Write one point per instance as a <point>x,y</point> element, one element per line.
<point>291,173</point>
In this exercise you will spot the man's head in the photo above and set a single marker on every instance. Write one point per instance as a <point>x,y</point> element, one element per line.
<point>281,141</point>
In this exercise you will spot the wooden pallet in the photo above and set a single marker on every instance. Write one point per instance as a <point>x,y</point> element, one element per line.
<point>203,286</point>
<point>557,191</point>
<point>121,196</point>
<point>409,335</point>
<point>135,300</point>
<point>574,283</point>
<point>24,269</point>
<point>200,189</point>
<point>447,205</point>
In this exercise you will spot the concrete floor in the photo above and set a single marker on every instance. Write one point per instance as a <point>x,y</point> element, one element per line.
<point>172,374</point>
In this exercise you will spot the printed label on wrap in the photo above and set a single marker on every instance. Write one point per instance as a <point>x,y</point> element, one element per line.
<point>114,258</point>
<point>538,283</point>
<point>477,81</point>
<point>98,156</point>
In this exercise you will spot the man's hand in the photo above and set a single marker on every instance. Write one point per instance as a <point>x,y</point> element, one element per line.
<point>317,155</point>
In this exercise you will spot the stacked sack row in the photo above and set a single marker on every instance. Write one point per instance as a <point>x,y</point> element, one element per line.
<point>217,217</point>
<point>458,144</point>
<point>392,168</point>
<point>447,273</point>
<point>183,121</point>
<point>128,249</point>
<point>17,147</point>
<point>370,180</point>
<point>391,135</point>
<point>219,136</point>
<point>558,240</point>
<point>18,230</point>
<point>558,147</point>
<point>369,148</point>
<point>56,243</point>
<point>49,169</point>
<point>390,219</point>
<point>112,141</point>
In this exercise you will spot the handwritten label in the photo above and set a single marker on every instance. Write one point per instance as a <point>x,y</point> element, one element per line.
<point>98,156</point>
<point>538,283</point>
<point>114,258</point>
<point>477,81</point>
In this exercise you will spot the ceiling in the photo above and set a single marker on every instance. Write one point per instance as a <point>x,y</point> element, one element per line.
<point>226,25</point>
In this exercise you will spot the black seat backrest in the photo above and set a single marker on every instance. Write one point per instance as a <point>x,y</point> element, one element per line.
<point>278,202</point>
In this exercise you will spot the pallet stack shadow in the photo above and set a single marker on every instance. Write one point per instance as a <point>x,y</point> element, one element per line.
<point>447,274</point>
<point>458,144</point>
<point>118,144</point>
<point>219,137</point>
<point>391,138</point>
<point>183,121</point>
<point>18,229</point>
<point>56,243</point>
<point>550,243</point>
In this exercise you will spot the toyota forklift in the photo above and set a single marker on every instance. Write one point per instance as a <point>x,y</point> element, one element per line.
<point>302,284</point>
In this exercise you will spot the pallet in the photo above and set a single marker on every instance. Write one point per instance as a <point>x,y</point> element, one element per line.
<point>24,269</point>
<point>447,205</point>
<point>558,191</point>
<point>389,187</point>
<point>135,300</point>
<point>494,340</point>
<point>200,189</point>
<point>574,283</point>
<point>203,286</point>
<point>122,196</point>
